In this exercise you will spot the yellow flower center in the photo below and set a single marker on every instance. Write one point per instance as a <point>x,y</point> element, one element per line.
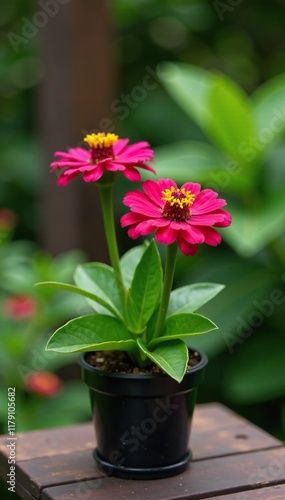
<point>101,146</point>
<point>101,140</point>
<point>177,203</point>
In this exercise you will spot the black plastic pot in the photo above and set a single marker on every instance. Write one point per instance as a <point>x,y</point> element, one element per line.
<point>142,422</point>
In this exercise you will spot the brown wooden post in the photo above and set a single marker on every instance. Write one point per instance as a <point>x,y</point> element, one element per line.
<point>75,98</point>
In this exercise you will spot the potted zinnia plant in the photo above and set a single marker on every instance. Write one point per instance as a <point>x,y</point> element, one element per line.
<point>142,376</point>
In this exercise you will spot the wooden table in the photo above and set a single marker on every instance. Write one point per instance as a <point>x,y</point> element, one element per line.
<point>233,460</point>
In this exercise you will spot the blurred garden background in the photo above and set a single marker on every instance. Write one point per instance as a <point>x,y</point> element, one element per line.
<point>204,83</point>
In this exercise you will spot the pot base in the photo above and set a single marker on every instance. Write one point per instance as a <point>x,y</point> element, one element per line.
<point>142,473</point>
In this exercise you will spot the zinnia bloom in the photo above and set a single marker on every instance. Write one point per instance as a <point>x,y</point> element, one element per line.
<point>185,215</point>
<point>107,152</point>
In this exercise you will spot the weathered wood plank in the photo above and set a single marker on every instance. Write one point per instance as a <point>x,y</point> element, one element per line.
<point>61,440</point>
<point>37,474</point>
<point>203,479</point>
<point>272,493</point>
<point>216,431</point>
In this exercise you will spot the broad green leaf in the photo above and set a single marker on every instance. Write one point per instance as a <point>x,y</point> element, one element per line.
<point>223,111</point>
<point>181,326</point>
<point>252,231</point>
<point>231,115</point>
<point>79,291</point>
<point>198,158</point>
<point>145,289</point>
<point>172,357</point>
<point>99,280</point>
<point>189,298</point>
<point>89,333</point>
<point>190,87</point>
<point>129,262</point>
<point>269,111</point>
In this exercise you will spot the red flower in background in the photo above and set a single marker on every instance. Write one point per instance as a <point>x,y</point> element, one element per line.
<point>107,153</point>
<point>43,383</point>
<point>186,215</point>
<point>8,219</point>
<point>20,307</point>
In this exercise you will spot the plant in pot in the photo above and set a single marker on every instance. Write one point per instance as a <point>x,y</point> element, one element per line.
<point>141,375</point>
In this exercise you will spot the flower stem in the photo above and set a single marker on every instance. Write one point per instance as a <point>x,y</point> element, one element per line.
<point>106,197</point>
<point>167,286</point>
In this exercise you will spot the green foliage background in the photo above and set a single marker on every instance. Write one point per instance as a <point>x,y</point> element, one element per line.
<point>205,86</point>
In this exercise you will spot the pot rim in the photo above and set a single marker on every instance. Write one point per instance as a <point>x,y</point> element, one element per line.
<point>142,376</point>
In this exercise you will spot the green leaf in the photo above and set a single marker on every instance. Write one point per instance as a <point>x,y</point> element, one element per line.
<point>180,326</point>
<point>79,291</point>
<point>269,111</point>
<point>190,87</point>
<point>171,357</point>
<point>99,280</point>
<point>231,123</point>
<point>129,262</point>
<point>223,111</point>
<point>252,231</point>
<point>203,159</point>
<point>89,333</point>
<point>145,289</point>
<point>188,299</point>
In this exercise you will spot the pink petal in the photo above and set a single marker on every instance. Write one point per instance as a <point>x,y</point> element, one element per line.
<point>80,153</point>
<point>95,174</point>
<point>138,150</point>
<point>207,219</point>
<point>153,191</point>
<point>119,146</point>
<point>113,166</point>
<point>166,235</point>
<point>166,184</point>
<point>194,187</point>
<point>206,202</point>
<point>193,235</point>
<point>212,237</point>
<point>141,229</point>
<point>185,247</point>
<point>132,174</point>
<point>131,218</point>
<point>65,179</point>
<point>139,202</point>
<point>227,219</point>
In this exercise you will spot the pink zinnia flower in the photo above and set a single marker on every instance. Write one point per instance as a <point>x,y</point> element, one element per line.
<point>186,214</point>
<point>107,152</point>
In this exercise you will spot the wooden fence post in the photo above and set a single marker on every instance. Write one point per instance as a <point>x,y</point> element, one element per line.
<point>75,98</point>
